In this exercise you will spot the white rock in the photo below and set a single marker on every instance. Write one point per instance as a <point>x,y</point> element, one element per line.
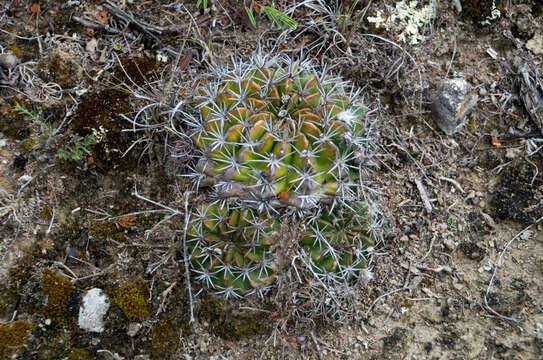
<point>91,313</point>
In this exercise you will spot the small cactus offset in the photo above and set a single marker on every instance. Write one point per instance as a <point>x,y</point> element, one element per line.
<point>234,251</point>
<point>338,243</point>
<point>275,131</point>
<point>231,251</point>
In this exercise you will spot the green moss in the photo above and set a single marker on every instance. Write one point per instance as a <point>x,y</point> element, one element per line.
<point>227,325</point>
<point>12,337</point>
<point>78,354</point>
<point>164,338</point>
<point>58,290</point>
<point>12,123</point>
<point>28,144</point>
<point>15,50</point>
<point>108,230</point>
<point>60,69</point>
<point>45,213</point>
<point>100,113</point>
<point>132,301</point>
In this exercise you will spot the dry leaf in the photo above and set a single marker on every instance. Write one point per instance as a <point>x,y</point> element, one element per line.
<point>90,32</point>
<point>496,142</point>
<point>102,18</point>
<point>35,9</point>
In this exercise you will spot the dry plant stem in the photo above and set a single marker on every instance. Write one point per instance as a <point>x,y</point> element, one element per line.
<point>317,345</point>
<point>423,195</point>
<point>382,296</point>
<point>185,254</point>
<point>487,307</point>
<point>127,17</point>
<point>454,182</point>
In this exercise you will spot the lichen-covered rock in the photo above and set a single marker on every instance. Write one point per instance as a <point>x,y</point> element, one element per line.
<point>92,311</point>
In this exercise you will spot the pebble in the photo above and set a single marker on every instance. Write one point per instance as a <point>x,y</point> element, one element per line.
<point>133,329</point>
<point>8,61</point>
<point>93,308</point>
<point>452,104</point>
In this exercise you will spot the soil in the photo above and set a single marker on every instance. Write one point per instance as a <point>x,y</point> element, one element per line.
<point>462,281</point>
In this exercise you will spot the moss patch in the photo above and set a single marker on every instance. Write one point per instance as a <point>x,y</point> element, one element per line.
<point>12,123</point>
<point>59,291</point>
<point>519,195</point>
<point>135,70</point>
<point>100,113</point>
<point>13,336</point>
<point>132,300</point>
<point>228,325</point>
<point>60,69</point>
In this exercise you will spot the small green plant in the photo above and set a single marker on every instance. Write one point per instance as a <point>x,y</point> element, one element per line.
<point>281,19</point>
<point>48,130</point>
<point>81,146</point>
<point>200,2</point>
<point>452,223</point>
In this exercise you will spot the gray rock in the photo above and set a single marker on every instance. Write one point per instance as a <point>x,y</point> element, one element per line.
<point>535,44</point>
<point>91,313</point>
<point>8,61</point>
<point>451,105</point>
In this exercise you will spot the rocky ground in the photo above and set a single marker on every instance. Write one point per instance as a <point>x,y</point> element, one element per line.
<point>459,273</point>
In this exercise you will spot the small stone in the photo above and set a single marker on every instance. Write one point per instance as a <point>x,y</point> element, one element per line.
<point>47,322</point>
<point>91,313</point>
<point>133,329</point>
<point>482,91</point>
<point>141,357</point>
<point>8,61</point>
<point>449,244</point>
<point>535,44</point>
<point>452,104</point>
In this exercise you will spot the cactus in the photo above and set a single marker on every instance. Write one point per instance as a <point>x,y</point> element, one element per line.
<point>277,132</point>
<point>231,251</point>
<point>234,251</point>
<point>274,134</point>
<point>338,243</point>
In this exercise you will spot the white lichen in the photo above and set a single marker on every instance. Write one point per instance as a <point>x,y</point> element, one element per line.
<point>407,20</point>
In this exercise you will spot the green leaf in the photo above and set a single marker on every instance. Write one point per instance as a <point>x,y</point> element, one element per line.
<point>283,20</point>
<point>200,3</point>
<point>250,15</point>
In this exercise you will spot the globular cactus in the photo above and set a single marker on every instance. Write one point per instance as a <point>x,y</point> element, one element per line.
<point>274,134</point>
<point>276,131</point>
<point>231,251</point>
<point>236,252</point>
<point>338,244</point>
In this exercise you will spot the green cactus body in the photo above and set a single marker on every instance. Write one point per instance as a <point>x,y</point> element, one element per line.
<point>234,251</point>
<point>278,130</point>
<point>274,134</point>
<point>231,251</point>
<point>338,243</point>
